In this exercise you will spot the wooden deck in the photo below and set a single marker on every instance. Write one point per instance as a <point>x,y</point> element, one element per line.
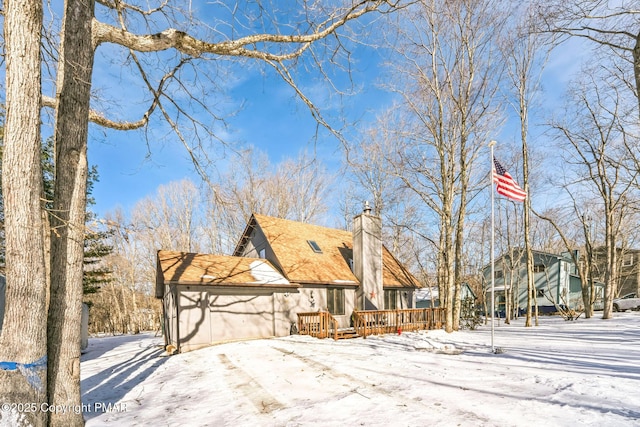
<point>370,322</point>
<point>320,324</point>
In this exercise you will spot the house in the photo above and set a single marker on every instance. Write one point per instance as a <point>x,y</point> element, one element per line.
<point>279,268</point>
<point>628,269</point>
<point>429,296</point>
<point>556,282</point>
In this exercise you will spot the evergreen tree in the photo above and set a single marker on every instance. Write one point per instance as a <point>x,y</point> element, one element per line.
<point>96,249</point>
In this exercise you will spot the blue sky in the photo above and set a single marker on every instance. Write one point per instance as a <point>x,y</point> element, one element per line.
<point>272,119</point>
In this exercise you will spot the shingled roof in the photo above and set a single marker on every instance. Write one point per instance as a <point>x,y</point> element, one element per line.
<point>216,270</point>
<point>300,263</point>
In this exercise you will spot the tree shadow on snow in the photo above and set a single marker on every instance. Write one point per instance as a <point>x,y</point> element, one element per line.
<point>100,345</point>
<point>109,386</point>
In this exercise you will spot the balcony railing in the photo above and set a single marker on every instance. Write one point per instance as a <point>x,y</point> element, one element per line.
<point>320,324</point>
<point>371,322</point>
<point>376,322</point>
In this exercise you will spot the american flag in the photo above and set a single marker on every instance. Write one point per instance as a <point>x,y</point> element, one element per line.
<point>506,185</point>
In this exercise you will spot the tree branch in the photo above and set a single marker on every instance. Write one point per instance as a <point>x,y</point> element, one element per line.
<point>185,43</point>
<point>115,4</point>
<point>99,119</point>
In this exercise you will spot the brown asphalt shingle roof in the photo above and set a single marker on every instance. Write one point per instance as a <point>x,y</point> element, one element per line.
<point>300,264</point>
<point>203,269</point>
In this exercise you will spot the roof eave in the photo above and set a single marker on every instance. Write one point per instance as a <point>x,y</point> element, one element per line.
<point>235,285</point>
<point>337,282</point>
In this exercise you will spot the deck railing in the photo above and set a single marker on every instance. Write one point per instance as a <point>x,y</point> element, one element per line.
<point>376,322</point>
<point>372,322</point>
<point>320,324</point>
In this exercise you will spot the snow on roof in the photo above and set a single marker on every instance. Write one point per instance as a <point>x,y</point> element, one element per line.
<point>427,294</point>
<point>264,273</point>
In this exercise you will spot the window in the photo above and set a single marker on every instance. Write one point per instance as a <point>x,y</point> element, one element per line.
<point>539,268</point>
<point>498,274</point>
<point>262,253</point>
<point>314,246</point>
<point>335,300</point>
<point>540,293</point>
<point>390,300</point>
<point>627,261</point>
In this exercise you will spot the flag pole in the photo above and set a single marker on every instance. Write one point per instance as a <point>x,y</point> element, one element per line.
<point>491,145</point>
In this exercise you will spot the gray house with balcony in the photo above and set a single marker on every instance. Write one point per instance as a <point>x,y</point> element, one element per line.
<point>556,281</point>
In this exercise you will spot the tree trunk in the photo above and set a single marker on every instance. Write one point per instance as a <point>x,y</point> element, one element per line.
<point>23,342</point>
<point>67,237</point>
<point>449,282</point>
<point>126,315</point>
<point>610,276</point>
<point>116,317</point>
<point>636,67</point>
<point>531,289</point>
<point>586,271</point>
<point>459,235</point>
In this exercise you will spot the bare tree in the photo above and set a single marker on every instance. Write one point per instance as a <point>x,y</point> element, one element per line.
<point>23,341</point>
<point>278,43</point>
<point>169,219</point>
<point>595,144</point>
<point>447,76</point>
<point>371,167</point>
<point>301,187</point>
<point>368,160</point>
<point>133,259</point>
<point>584,262</point>
<point>525,54</point>
<point>613,26</point>
<point>295,189</point>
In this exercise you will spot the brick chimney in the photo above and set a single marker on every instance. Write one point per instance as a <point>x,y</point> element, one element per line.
<point>367,259</point>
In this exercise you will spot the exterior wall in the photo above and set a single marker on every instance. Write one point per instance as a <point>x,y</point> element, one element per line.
<point>256,243</point>
<point>404,298</point>
<point>553,285</point>
<point>367,260</point>
<point>170,320</point>
<point>575,293</point>
<point>629,271</point>
<point>546,282</point>
<point>209,316</point>
<point>288,305</point>
<point>314,298</point>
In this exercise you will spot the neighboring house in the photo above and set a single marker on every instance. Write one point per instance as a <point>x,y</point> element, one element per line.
<point>428,297</point>
<point>555,279</point>
<point>278,269</point>
<point>628,269</point>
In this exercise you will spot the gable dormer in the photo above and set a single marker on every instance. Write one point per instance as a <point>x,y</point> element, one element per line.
<point>254,244</point>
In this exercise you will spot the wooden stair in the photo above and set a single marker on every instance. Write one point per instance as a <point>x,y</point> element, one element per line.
<point>347,333</point>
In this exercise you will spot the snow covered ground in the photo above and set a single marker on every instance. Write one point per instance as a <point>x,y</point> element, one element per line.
<point>580,373</point>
